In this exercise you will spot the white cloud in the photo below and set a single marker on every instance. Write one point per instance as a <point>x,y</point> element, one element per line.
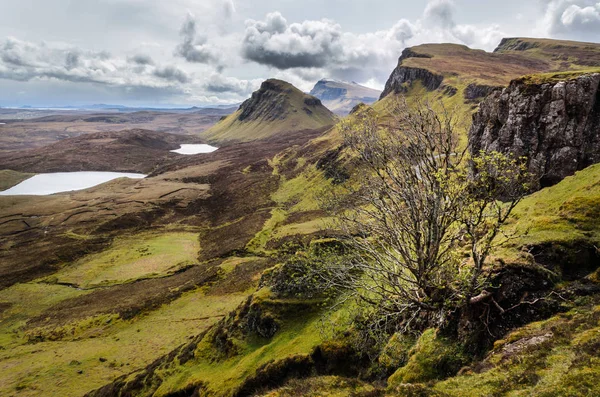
<point>570,18</point>
<point>218,83</point>
<point>194,47</point>
<point>322,46</point>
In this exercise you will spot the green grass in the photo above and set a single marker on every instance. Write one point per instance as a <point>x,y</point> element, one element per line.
<point>555,357</point>
<point>51,368</point>
<point>130,258</point>
<point>555,77</point>
<point>299,335</point>
<point>230,264</point>
<point>10,178</point>
<point>294,118</point>
<point>259,242</point>
<point>25,301</point>
<point>432,357</point>
<point>566,212</point>
<point>300,194</point>
<point>323,386</point>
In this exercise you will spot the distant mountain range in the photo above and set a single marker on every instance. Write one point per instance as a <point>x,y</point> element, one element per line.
<point>340,96</point>
<point>122,108</point>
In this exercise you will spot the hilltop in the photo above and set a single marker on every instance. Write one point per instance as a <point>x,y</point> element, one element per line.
<point>471,74</point>
<point>341,97</point>
<point>277,107</point>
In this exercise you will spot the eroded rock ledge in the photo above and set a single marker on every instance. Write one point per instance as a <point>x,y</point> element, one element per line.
<point>555,124</point>
<point>403,76</point>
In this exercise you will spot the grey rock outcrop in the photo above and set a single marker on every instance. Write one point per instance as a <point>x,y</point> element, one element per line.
<point>403,76</point>
<point>476,91</point>
<point>555,125</point>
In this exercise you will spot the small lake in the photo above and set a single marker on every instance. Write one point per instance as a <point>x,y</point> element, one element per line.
<point>56,182</point>
<point>190,149</point>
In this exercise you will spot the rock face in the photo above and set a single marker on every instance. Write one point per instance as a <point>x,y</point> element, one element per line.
<point>402,77</point>
<point>556,125</point>
<point>476,91</point>
<point>340,96</point>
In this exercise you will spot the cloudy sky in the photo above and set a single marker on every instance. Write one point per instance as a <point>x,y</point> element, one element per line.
<point>198,52</point>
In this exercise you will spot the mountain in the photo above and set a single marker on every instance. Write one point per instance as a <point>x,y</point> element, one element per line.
<point>199,280</point>
<point>341,97</point>
<point>275,108</point>
<point>455,69</point>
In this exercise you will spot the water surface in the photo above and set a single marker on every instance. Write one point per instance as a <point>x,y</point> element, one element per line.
<point>190,149</point>
<point>56,182</point>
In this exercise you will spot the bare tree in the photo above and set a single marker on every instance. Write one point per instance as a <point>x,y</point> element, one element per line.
<point>423,215</point>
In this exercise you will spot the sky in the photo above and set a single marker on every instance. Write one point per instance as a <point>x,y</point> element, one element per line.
<point>209,52</point>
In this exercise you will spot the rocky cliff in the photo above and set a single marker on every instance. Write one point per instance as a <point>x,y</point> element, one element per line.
<point>403,76</point>
<point>553,122</point>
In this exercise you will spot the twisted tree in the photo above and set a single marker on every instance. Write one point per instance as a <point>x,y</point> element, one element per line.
<point>423,216</point>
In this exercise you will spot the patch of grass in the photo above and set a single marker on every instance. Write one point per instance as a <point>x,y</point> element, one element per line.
<point>303,228</point>
<point>566,212</point>
<point>106,349</point>
<point>555,357</point>
<point>25,301</point>
<point>299,334</point>
<point>300,193</point>
<point>259,242</point>
<point>432,357</point>
<point>230,264</point>
<point>10,178</point>
<point>555,77</point>
<point>324,386</point>
<point>135,257</point>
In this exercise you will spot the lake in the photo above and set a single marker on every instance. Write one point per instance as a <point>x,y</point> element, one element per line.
<point>56,182</point>
<point>190,149</point>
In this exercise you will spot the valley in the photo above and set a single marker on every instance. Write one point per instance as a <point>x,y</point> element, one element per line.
<point>190,280</point>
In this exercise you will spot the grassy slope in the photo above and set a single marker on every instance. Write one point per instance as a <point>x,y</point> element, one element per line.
<point>296,119</point>
<point>555,357</point>
<point>10,178</point>
<point>132,258</point>
<point>72,358</point>
<point>565,213</point>
<point>299,335</point>
<point>460,64</point>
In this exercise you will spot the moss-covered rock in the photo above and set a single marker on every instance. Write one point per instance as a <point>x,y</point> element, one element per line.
<point>433,357</point>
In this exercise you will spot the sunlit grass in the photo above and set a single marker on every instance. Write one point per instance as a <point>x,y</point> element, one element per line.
<point>131,258</point>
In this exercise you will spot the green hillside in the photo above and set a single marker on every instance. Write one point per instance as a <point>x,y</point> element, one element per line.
<point>198,281</point>
<point>277,107</point>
